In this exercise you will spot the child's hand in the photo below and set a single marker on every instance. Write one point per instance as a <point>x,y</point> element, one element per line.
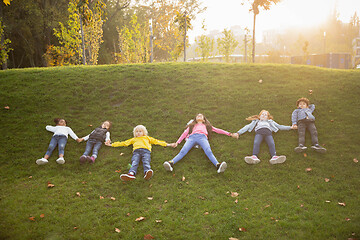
<point>173,145</point>
<point>107,143</point>
<point>235,135</point>
<point>294,126</point>
<point>79,140</point>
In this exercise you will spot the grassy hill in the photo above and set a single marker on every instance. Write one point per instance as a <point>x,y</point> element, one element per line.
<point>194,202</point>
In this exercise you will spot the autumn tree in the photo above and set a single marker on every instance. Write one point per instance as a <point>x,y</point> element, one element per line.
<point>255,5</point>
<point>205,45</point>
<point>227,44</point>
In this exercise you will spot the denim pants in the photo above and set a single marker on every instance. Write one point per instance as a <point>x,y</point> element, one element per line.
<point>264,134</point>
<point>57,140</point>
<point>94,145</point>
<point>310,125</point>
<point>140,154</point>
<point>200,139</point>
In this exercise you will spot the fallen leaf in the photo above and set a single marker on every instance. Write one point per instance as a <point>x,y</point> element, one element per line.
<point>233,238</point>
<point>242,229</point>
<point>30,177</point>
<point>302,205</point>
<point>267,206</point>
<point>298,186</point>
<point>234,194</point>
<point>158,221</point>
<point>206,213</point>
<point>260,80</point>
<point>305,155</point>
<point>32,218</point>
<point>42,215</point>
<point>183,179</point>
<point>117,230</point>
<point>101,197</point>
<point>139,219</point>
<point>112,198</point>
<point>331,120</point>
<point>75,228</point>
<point>128,214</point>
<point>7,107</point>
<point>78,194</point>
<point>165,201</point>
<point>308,169</point>
<point>201,197</point>
<point>50,185</point>
<point>310,91</point>
<point>118,171</point>
<point>272,218</point>
<point>187,183</point>
<point>236,201</point>
<point>327,201</point>
<point>246,209</point>
<point>150,198</point>
<point>148,236</point>
<point>90,125</point>
<point>121,154</point>
<point>327,180</point>
<point>347,219</point>
<point>341,204</point>
<point>355,160</point>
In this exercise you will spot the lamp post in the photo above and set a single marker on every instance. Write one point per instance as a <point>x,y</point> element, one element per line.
<point>324,42</point>
<point>151,40</point>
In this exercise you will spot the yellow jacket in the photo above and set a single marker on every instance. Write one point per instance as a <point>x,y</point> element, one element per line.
<point>140,142</point>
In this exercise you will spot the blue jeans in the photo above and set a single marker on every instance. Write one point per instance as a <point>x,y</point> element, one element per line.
<point>59,140</point>
<point>260,135</point>
<point>92,144</point>
<point>200,139</point>
<point>140,154</point>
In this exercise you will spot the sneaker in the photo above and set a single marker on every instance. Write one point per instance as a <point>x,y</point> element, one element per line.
<point>221,167</point>
<point>127,177</point>
<point>300,148</point>
<point>148,174</point>
<point>277,159</point>
<point>252,159</point>
<point>83,159</point>
<point>42,161</point>
<point>60,160</point>
<point>318,148</point>
<point>92,159</point>
<point>88,159</point>
<point>168,166</point>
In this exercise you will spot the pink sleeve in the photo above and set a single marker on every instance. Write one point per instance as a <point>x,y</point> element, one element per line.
<point>220,131</point>
<point>183,135</point>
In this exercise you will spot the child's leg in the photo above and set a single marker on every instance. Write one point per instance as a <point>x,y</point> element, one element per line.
<point>270,142</point>
<point>61,145</point>
<point>205,145</point>
<point>313,132</point>
<point>301,132</point>
<point>185,149</point>
<point>257,141</point>
<point>52,146</point>
<point>146,159</point>
<point>89,146</point>
<point>135,159</point>
<point>96,148</point>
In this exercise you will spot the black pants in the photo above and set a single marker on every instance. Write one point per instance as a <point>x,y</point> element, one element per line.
<point>310,125</point>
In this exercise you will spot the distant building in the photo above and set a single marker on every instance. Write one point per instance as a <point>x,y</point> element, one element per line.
<point>328,60</point>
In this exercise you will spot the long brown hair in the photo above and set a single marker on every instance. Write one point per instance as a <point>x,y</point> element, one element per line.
<point>254,117</point>
<point>206,122</point>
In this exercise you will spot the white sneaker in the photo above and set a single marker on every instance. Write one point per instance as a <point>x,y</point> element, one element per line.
<point>148,174</point>
<point>42,161</point>
<point>60,160</point>
<point>168,166</point>
<point>277,159</point>
<point>252,159</point>
<point>222,167</point>
<point>127,177</point>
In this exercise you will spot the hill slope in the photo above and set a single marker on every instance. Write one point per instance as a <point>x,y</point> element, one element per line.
<point>274,202</point>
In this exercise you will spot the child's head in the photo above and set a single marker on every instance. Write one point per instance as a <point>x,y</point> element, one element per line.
<point>140,131</point>
<point>263,115</point>
<point>302,103</point>
<point>107,124</point>
<point>60,122</point>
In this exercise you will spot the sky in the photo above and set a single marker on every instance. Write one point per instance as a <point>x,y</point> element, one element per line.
<point>221,14</point>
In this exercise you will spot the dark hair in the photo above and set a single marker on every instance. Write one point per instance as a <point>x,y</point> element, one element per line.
<point>207,124</point>
<point>57,120</point>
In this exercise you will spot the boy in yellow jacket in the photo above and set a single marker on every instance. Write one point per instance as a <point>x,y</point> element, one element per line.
<point>141,151</point>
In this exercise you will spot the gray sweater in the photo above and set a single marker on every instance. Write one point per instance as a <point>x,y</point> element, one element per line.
<point>303,113</point>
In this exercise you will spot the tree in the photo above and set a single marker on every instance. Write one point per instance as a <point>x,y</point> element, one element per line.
<point>4,47</point>
<point>205,45</point>
<point>227,44</point>
<point>255,5</point>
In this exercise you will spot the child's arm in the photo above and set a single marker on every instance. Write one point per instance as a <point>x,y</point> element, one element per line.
<point>157,142</point>
<point>294,118</point>
<point>183,135</point>
<point>87,137</point>
<point>123,143</point>
<point>312,107</point>
<point>50,128</point>
<point>107,138</point>
<point>73,135</point>
<point>281,127</point>
<point>220,131</point>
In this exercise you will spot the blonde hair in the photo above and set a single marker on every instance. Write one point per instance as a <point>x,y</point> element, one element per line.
<point>254,117</point>
<point>305,100</point>
<point>142,128</point>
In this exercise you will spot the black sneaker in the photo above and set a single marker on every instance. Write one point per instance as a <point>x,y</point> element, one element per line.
<point>300,148</point>
<point>318,148</point>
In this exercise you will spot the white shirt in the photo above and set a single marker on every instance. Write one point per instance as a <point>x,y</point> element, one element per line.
<point>62,130</point>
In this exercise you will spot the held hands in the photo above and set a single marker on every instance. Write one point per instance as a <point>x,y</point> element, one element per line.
<point>79,140</point>
<point>293,126</point>
<point>173,145</point>
<point>234,135</point>
<point>107,143</point>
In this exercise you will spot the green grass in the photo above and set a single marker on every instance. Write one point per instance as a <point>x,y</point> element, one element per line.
<point>275,202</point>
